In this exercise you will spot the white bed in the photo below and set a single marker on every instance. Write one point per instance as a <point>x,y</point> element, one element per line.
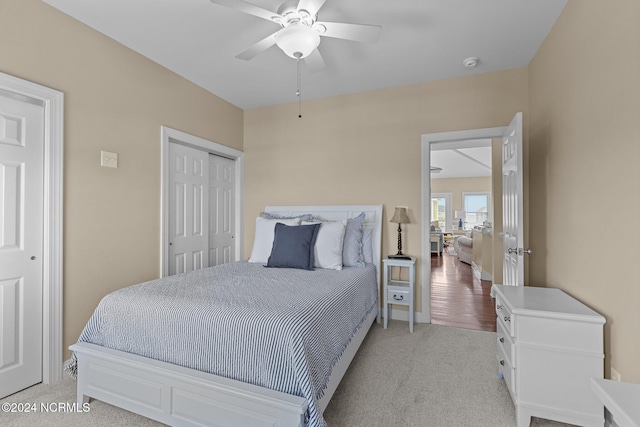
<point>180,396</point>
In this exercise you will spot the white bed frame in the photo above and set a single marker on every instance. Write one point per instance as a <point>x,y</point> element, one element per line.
<point>180,396</point>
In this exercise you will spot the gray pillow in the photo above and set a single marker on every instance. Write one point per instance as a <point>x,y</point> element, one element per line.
<point>367,245</point>
<point>293,246</point>
<point>352,255</point>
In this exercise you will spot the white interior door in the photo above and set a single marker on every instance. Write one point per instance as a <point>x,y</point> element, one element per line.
<point>21,241</point>
<point>512,208</point>
<point>221,210</point>
<point>189,203</point>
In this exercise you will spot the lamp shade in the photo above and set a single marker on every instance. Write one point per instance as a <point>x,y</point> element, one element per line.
<point>461,214</point>
<point>297,41</point>
<point>400,216</point>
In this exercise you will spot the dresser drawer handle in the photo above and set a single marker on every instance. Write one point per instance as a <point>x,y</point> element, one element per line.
<point>502,340</point>
<point>507,319</point>
<point>502,362</point>
<point>499,307</point>
<point>398,297</point>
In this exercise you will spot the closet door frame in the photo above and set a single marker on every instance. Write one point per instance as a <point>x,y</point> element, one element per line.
<point>173,136</point>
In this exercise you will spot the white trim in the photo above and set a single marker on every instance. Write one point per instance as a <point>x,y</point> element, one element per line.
<point>168,136</point>
<point>426,141</point>
<point>53,102</point>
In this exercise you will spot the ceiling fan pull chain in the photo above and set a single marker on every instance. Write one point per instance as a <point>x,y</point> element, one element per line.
<point>299,90</point>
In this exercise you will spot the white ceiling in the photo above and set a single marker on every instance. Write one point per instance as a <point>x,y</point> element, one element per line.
<point>462,159</point>
<point>420,41</point>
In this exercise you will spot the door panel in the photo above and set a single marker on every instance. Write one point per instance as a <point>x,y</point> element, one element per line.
<point>21,241</point>
<point>512,206</point>
<point>188,218</point>
<point>221,210</point>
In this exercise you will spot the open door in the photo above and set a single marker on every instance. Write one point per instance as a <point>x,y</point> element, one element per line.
<point>512,209</point>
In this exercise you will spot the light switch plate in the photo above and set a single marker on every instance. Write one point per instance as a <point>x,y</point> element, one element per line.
<point>108,159</point>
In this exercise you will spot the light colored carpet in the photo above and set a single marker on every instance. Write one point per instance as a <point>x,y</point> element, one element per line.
<point>438,376</point>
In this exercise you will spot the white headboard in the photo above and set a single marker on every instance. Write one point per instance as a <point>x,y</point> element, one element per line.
<point>373,220</point>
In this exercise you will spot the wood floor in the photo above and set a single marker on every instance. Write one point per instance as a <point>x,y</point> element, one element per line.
<point>457,297</point>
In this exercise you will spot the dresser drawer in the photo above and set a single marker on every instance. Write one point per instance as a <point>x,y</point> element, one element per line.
<point>398,296</point>
<point>507,371</point>
<point>505,343</point>
<point>504,316</point>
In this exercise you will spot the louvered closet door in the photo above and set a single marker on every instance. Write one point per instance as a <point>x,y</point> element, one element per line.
<point>189,204</point>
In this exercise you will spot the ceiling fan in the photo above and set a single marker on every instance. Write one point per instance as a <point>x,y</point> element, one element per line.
<point>300,34</point>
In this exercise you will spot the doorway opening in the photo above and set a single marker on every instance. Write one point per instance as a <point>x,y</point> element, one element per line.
<point>455,140</point>
<point>461,273</point>
<point>49,244</point>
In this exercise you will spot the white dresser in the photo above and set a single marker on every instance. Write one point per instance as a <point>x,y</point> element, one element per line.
<point>550,345</point>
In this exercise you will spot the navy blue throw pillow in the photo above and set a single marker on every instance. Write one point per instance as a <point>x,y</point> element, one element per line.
<point>293,246</point>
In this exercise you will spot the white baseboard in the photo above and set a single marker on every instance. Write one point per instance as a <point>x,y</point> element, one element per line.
<point>479,273</point>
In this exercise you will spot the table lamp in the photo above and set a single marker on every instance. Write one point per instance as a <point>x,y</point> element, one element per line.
<point>400,217</point>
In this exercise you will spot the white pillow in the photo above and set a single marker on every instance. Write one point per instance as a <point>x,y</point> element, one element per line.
<point>328,250</point>
<point>263,240</point>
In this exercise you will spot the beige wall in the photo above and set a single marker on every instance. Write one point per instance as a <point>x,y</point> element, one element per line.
<point>115,100</point>
<point>584,86</point>
<point>365,148</point>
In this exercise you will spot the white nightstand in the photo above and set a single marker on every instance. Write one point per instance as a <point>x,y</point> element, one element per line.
<point>399,291</point>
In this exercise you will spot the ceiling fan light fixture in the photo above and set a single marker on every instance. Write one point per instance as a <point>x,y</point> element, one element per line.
<point>297,41</point>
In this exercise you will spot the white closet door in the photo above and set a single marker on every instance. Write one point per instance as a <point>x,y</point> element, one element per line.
<point>222,183</point>
<point>189,203</point>
<point>21,241</point>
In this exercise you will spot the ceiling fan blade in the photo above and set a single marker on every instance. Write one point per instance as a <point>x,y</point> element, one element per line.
<point>314,61</point>
<point>311,6</point>
<point>251,9</point>
<point>258,47</point>
<point>355,32</point>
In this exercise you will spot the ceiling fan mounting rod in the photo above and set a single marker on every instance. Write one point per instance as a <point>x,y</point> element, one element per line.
<point>295,17</point>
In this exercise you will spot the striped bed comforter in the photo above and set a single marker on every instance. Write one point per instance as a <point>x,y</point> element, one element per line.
<point>283,329</point>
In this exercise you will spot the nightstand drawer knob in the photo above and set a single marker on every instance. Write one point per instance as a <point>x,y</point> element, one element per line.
<point>502,339</point>
<point>502,362</point>
<point>398,297</point>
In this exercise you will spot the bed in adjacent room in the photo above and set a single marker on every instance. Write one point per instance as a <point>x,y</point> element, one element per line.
<point>263,342</point>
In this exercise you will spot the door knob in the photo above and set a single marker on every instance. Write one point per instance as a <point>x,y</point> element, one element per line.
<point>520,251</point>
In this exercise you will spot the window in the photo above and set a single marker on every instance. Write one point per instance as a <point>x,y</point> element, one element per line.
<point>477,207</point>
<point>441,210</point>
